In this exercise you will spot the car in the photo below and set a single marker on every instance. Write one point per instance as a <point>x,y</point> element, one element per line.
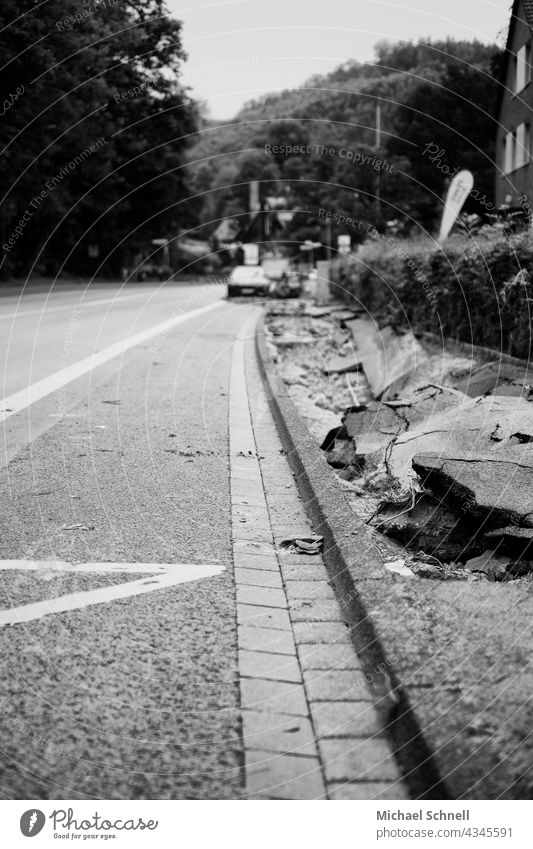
<point>151,271</point>
<point>248,280</point>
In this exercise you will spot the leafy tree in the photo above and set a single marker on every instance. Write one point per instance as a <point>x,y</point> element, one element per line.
<point>100,127</point>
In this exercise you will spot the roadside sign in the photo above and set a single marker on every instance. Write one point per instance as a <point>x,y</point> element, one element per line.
<point>344,244</point>
<point>323,294</point>
<point>251,254</point>
<point>460,187</point>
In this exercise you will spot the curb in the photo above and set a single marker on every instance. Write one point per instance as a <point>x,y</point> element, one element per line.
<point>346,555</point>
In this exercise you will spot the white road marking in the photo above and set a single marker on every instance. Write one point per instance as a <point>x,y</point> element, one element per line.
<point>78,305</point>
<point>20,400</point>
<point>158,576</point>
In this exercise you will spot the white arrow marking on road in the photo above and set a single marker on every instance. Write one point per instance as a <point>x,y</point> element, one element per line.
<point>159,576</point>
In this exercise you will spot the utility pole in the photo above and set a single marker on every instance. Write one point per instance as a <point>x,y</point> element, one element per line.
<point>378,173</point>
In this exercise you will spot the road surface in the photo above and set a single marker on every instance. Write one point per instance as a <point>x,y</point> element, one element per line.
<point>155,640</point>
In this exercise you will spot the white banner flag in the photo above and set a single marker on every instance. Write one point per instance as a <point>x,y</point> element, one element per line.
<point>460,187</point>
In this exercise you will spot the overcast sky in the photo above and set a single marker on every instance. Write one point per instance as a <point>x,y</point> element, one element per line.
<point>240,49</point>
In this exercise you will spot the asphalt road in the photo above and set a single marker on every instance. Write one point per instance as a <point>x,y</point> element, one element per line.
<point>127,463</point>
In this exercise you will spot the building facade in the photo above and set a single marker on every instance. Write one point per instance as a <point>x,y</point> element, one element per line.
<point>514,152</point>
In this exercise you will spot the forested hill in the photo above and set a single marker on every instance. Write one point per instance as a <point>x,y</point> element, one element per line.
<point>435,92</point>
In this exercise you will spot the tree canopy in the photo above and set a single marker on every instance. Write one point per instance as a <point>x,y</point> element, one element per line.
<point>93,134</point>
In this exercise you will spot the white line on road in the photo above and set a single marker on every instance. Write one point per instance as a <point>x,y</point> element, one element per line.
<point>160,576</point>
<point>45,310</point>
<point>20,400</point>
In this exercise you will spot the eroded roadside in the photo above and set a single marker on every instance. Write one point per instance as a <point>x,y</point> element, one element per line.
<point>462,645</point>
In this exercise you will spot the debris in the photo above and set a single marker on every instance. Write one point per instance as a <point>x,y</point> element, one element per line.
<point>289,340</point>
<point>398,567</point>
<point>386,356</point>
<point>512,540</point>
<point>332,436</point>
<point>488,378</point>
<point>343,454</point>
<point>426,570</point>
<point>318,312</point>
<point>430,526</point>
<point>343,315</point>
<point>464,431</point>
<point>304,545</point>
<point>493,565</point>
<point>496,488</point>
<point>115,402</point>
<point>77,527</point>
<point>373,428</point>
<point>294,374</point>
<point>342,365</point>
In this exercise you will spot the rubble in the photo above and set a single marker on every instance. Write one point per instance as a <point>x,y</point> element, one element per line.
<point>342,365</point>
<point>493,565</point>
<point>436,449</point>
<point>430,526</point>
<point>386,356</point>
<point>496,489</point>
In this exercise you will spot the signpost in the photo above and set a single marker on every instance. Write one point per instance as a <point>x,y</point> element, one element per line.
<point>458,191</point>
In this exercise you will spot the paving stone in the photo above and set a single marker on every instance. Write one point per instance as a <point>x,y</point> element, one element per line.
<point>276,732</point>
<point>310,589</point>
<point>276,667</point>
<point>248,489</point>
<point>270,776</point>
<point>338,686</point>
<point>273,696</point>
<point>264,596</point>
<point>313,633</point>
<point>266,639</point>
<point>245,546</point>
<point>249,560</point>
<point>252,532</point>
<point>312,610</point>
<point>313,572</point>
<point>368,790</point>
<point>345,719</point>
<point>252,474</point>
<point>244,500</point>
<point>263,617</point>
<point>360,760</point>
<point>328,656</point>
<point>258,578</point>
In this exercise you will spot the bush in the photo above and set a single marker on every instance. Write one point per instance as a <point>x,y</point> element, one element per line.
<point>477,290</point>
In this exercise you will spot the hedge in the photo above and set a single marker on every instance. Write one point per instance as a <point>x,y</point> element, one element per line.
<point>477,290</point>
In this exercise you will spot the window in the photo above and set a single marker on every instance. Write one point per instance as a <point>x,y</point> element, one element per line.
<point>523,67</point>
<point>522,145</point>
<point>508,161</point>
<point>517,148</point>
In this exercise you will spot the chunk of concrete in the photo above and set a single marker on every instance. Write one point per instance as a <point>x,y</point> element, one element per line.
<point>467,428</point>
<point>512,540</point>
<point>493,565</point>
<point>495,488</point>
<point>342,365</point>
<point>386,356</point>
<point>373,428</point>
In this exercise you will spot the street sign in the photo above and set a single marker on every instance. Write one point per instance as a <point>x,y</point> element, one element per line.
<point>251,254</point>
<point>344,244</point>
<point>459,189</point>
<point>323,294</point>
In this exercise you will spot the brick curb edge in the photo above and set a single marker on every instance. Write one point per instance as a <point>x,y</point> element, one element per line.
<point>344,554</point>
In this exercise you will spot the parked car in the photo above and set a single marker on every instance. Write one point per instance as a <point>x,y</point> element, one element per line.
<point>248,280</point>
<point>152,271</point>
